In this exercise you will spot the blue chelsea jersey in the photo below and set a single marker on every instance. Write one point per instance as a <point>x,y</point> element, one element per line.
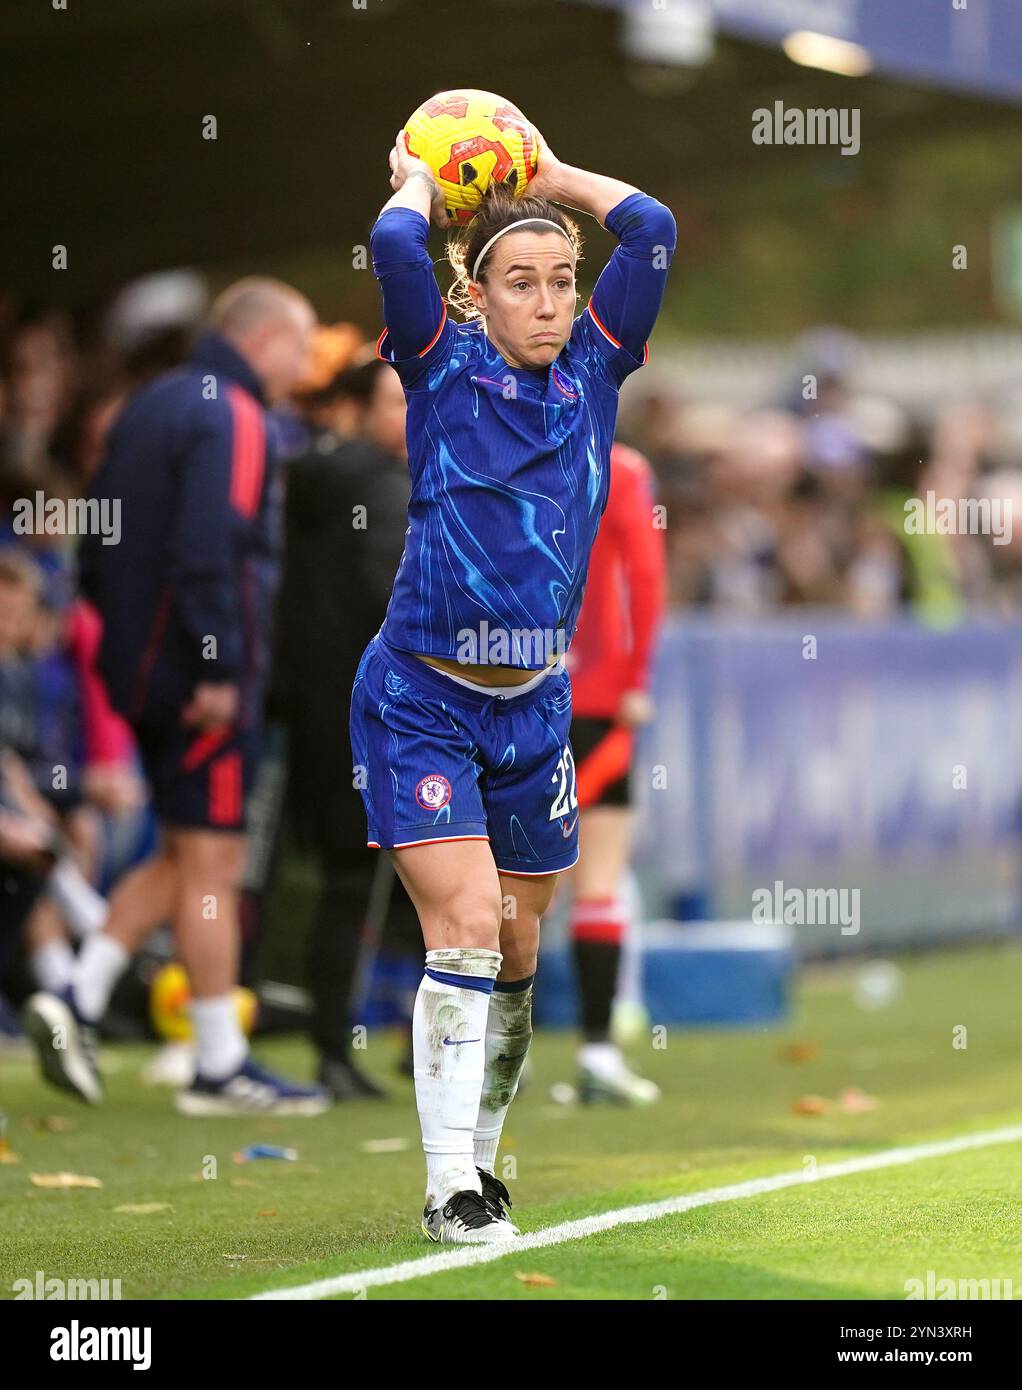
<point>510,468</point>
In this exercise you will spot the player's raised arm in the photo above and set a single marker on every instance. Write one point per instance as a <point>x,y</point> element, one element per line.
<point>627,298</point>
<point>413,308</point>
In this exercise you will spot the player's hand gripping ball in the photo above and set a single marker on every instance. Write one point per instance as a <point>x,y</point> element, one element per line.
<point>470,139</point>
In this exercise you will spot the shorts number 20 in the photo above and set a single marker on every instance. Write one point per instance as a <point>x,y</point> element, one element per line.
<point>565,801</point>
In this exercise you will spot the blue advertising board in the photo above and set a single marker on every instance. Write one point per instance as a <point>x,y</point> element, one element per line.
<point>819,753</point>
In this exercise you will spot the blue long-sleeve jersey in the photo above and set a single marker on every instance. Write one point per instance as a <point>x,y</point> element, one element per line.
<point>510,467</point>
<point>186,594</point>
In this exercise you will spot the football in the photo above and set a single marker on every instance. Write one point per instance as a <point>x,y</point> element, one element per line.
<point>169,1000</point>
<point>471,139</point>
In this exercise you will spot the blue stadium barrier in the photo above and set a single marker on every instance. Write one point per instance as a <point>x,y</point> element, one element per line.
<point>696,974</point>
<point>822,753</point>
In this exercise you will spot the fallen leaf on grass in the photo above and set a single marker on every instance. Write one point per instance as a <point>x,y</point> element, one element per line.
<point>811,1105</point>
<point>143,1208</point>
<point>536,1280</point>
<point>52,1124</point>
<point>801,1052</point>
<point>266,1213</point>
<point>855,1102</point>
<point>63,1180</point>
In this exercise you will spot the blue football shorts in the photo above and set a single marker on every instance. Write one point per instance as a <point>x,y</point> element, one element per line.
<point>435,760</point>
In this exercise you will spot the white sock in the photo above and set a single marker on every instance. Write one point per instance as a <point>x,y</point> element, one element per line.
<point>221,1044</point>
<point>83,909</point>
<point>508,1035</point>
<point>448,1045</point>
<point>603,1059</point>
<point>99,966</point>
<point>52,964</point>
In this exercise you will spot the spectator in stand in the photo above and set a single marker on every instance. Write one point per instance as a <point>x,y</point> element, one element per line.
<point>40,372</point>
<point>749,487</point>
<point>84,764</point>
<point>25,829</point>
<point>42,708</point>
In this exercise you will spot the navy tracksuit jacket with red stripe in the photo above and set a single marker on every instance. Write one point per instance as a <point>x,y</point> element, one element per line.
<point>186,594</point>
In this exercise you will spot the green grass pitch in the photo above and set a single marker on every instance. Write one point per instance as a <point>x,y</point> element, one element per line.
<point>727,1116</point>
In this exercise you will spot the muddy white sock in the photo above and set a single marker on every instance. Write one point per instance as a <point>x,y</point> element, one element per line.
<point>99,966</point>
<point>221,1044</point>
<point>508,1035</point>
<point>83,909</point>
<point>52,964</point>
<point>448,1046</point>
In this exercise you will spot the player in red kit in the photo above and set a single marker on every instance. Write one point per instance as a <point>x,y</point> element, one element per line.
<point>609,663</point>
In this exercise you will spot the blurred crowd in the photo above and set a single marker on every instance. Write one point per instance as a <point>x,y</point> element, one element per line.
<point>804,501</point>
<point>799,502</point>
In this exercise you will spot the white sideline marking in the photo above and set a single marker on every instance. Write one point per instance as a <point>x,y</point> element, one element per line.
<point>467,1255</point>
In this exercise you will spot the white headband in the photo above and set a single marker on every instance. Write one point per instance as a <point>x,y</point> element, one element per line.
<point>514,227</point>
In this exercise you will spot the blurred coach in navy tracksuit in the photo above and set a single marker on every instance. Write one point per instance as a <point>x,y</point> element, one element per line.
<point>185,597</point>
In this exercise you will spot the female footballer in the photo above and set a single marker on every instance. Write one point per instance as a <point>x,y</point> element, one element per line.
<point>461,704</point>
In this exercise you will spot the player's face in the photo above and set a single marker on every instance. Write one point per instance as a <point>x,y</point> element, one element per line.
<point>528,297</point>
